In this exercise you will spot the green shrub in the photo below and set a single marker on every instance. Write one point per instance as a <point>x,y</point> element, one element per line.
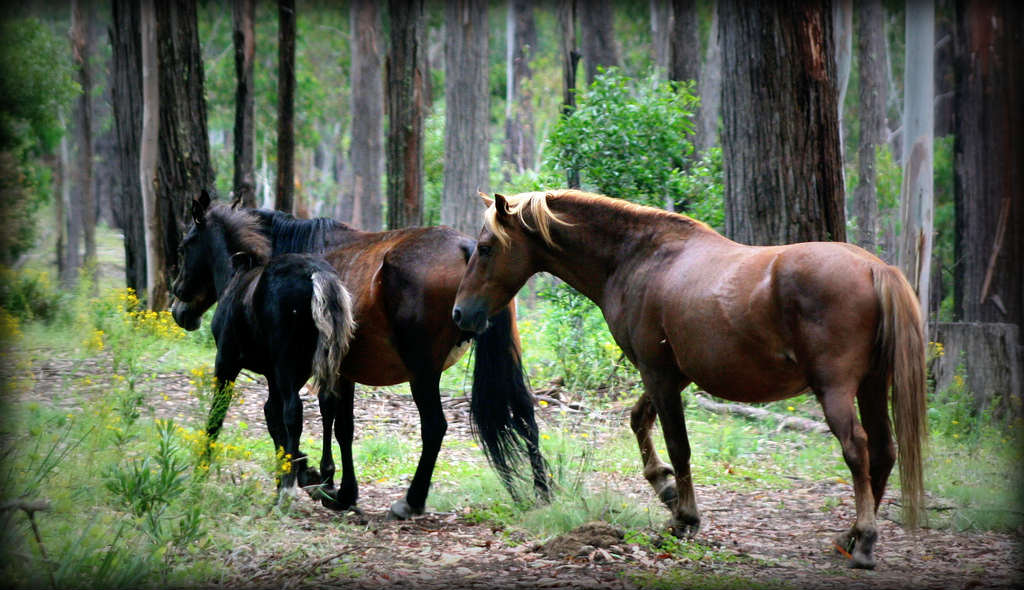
<point>29,294</point>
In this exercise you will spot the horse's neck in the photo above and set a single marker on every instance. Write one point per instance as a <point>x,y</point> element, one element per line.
<point>596,249</point>
<point>220,264</point>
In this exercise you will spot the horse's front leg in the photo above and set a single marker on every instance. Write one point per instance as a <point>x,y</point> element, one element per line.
<point>658,473</point>
<point>663,387</point>
<point>425,391</point>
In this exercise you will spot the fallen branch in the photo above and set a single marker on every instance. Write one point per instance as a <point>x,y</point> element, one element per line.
<point>30,507</point>
<point>785,422</point>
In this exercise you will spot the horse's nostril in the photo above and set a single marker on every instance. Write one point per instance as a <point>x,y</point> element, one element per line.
<point>457,315</point>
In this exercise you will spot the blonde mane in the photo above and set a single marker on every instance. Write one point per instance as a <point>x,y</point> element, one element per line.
<point>535,214</point>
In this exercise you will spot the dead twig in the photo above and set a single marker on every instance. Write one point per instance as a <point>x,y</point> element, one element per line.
<point>30,507</point>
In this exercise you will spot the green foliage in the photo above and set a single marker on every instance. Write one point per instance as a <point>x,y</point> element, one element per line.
<point>29,294</point>
<point>36,84</point>
<point>628,138</point>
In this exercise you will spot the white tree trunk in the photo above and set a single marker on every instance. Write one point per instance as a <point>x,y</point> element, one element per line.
<point>148,151</point>
<point>916,200</point>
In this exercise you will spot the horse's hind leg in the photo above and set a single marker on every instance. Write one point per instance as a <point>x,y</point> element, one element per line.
<point>837,403</point>
<point>663,390</point>
<point>874,415</point>
<point>326,401</point>
<point>344,421</point>
<point>426,393</point>
<point>657,472</point>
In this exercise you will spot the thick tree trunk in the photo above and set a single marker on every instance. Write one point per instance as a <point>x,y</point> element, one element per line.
<point>989,150</point>
<point>988,358</point>
<point>521,46</point>
<point>126,93</point>
<point>684,56</point>
<point>710,87</point>
<point>285,198</point>
<point>466,114</point>
<point>871,99</point>
<point>916,198</point>
<point>244,183</point>
<point>570,59</point>
<point>661,33</point>
<point>184,168</point>
<point>149,151</point>
<point>366,148</point>
<point>405,78</point>
<point>780,141</point>
<point>597,37</point>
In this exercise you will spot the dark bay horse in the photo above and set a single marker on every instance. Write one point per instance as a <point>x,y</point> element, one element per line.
<point>287,317</point>
<point>403,284</point>
<point>748,324</point>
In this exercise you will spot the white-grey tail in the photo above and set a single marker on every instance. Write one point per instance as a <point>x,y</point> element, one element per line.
<point>332,314</point>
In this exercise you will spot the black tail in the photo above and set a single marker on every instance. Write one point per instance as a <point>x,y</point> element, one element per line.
<point>502,406</point>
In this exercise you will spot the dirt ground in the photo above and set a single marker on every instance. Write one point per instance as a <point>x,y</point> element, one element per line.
<point>774,539</point>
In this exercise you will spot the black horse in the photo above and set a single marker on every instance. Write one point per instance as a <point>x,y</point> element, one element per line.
<point>287,317</point>
<point>403,284</point>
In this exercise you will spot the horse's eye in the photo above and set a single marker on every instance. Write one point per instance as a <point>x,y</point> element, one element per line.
<point>483,250</point>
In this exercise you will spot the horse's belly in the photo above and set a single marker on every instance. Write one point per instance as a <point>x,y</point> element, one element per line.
<point>374,361</point>
<point>748,378</point>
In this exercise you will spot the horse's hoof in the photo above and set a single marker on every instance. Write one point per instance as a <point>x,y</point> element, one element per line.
<point>862,562</point>
<point>401,510</point>
<point>668,495</point>
<point>685,530</point>
<point>309,477</point>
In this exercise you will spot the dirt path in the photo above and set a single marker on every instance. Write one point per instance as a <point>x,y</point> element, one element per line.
<point>779,539</point>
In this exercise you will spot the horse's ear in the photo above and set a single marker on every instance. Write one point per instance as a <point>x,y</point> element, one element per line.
<point>501,206</point>
<point>199,207</point>
<point>242,261</point>
<point>487,200</point>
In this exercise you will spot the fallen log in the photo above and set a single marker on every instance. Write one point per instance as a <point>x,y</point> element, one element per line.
<point>785,422</point>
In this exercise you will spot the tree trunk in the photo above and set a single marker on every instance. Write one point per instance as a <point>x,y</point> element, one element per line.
<point>466,114</point>
<point>244,184</point>
<point>366,149</point>
<point>916,198</point>
<point>285,199</point>
<point>871,68</point>
<point>521,46</point>
<point>684,56</point>
<point>780,140</point>
<point>184,168</point>
<point>842,33</point>
<point>570,59</point>
<point>405,77</point>
<point>126,94</point>
<point>661,32</point>
<point>597,32</point>
<point>988,359</point>
<point>62,204</point>
<point>989,178</point>
<point>710,87</point>
<point>149,148</point>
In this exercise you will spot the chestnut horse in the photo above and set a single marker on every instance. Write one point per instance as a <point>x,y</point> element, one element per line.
<point>747,324</point>
<point>403,285</point>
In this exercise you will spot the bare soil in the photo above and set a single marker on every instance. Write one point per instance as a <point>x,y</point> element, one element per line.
<point>766,538</point>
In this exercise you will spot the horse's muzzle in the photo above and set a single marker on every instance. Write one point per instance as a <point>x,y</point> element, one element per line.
<point>184,316</point>
<point>470,316</point>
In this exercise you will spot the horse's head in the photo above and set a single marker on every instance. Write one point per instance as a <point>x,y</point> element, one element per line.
<point>498,268</point>
<point>194,289</point>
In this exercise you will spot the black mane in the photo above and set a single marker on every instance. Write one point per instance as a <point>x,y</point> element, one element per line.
<point>291,235</point>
